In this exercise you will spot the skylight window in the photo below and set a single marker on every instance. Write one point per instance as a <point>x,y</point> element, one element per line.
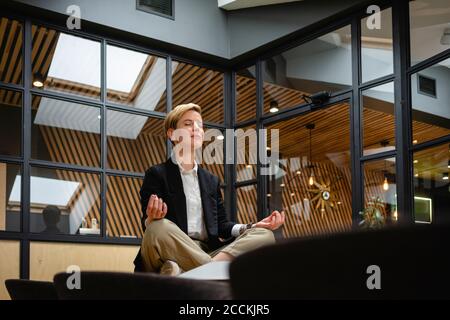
<point>43,191</point>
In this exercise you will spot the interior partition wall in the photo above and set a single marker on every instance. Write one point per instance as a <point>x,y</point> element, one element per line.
<point>82,113</point>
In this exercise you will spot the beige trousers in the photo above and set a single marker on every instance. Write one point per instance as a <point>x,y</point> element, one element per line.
<point>163,240</point>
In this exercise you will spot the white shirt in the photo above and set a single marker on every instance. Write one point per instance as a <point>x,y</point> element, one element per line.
<point>194,210</point>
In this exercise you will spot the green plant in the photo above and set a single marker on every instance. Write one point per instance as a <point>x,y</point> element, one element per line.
<point>373,216</point>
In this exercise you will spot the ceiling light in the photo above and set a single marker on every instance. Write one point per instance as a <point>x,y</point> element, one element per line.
<point>416,175</point>
<point>249,166</point>
<point>268,148</point>
<point>269,195</point>
<point>416,161</point>
<point>273,106</point>
<point>282,185</point>
<point>298,172</point>
<point>292,194</point>
<point>448,164</point>
<point>415,141</point>
<point>385,184</point>
<point>220,137</point>
<point>445,176</point>
<point>38,80</point>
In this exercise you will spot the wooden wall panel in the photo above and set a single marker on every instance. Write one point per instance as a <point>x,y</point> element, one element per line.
<point>47,259</point>
<point>9,264</point>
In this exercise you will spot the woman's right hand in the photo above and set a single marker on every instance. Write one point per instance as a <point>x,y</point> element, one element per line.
<point>156,209</point>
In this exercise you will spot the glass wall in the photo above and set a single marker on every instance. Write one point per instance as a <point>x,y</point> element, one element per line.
<point>65,63</point>
<point>429,28</point>
<point>380,192</point>
<point>11,54</point>
<point>312,180</point>
<point>323,64</point>
<point>377,58</point>
<point>378,116</point>
<point>88,139</point>
<point>431,184</point>
<point>430,100</point>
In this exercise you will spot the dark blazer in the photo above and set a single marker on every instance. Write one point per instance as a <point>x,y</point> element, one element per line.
<point>164,180</point>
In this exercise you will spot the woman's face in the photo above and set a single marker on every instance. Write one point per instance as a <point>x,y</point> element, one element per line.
<point>190,129</point>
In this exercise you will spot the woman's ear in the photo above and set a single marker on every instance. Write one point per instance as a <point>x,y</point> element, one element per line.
<point>170,134</point>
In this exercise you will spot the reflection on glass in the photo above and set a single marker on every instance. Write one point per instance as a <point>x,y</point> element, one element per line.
<point>246,153</point>
<point>200,86</point>
<point>376,45</point>
<point>63,201</point>
<point>141,84</point>
<point>246,94</point>
<point>431,184</point>
<point>312,179</point>
<point>11,61</point>
<point>65,132</point>
<point>323,64</point>
<point>10,196</point>
<point>380,193</point>
<point>378,119</point>
<point>65,63</point>
<point>246,204</point>
<point>135,142</point>
<point>430,102</point>
<point>429,28</point>
<point>212,152</point>
<point>10,123</point>
<point>123,207</point>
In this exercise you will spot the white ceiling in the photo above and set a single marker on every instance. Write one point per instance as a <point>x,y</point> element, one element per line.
<point>241,4</point>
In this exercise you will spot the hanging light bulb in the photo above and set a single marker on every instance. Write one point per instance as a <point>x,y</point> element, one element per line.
<point>311,179</point>
<point>385,184</point>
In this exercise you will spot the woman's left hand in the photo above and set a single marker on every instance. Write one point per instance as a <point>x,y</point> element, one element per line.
<point>272,222</point>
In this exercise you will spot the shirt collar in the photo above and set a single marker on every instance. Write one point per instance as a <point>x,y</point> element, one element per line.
<point>184,171</point>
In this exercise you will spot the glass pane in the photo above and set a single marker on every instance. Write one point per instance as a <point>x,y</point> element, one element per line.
<point>246,94</point>
<point>9,265</point>
<point>246,153</point>
<point>10,123</point>
<point>323,64</point>
<point>65,63</point>
<point>212,157</point>
<point>123,207</point>
<point>377,58</point>
<point>378,119</point>
<point>310,175</point>
<point>65,132</point>
<point>200,86</point>
<point>135,142</point>
<point>246,204</point>
<point>380,194</point>
<point>429,28</point>
<point>64,202</point>
<point>10,196</point>
<point>431,185</point>
<point>430,102</point>
<point>136,79</point>
<point>11,39</point>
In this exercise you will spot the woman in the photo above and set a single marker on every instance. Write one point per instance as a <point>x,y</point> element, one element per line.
<point>182,209</point>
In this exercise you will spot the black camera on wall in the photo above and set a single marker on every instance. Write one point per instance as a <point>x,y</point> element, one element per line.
<point>317,98</point>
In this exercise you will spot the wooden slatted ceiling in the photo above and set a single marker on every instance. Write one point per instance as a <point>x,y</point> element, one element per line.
<point>11,38</point>
<point>202,86</point>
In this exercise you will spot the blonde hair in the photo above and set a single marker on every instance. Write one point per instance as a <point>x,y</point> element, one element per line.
<point>177,113</point>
